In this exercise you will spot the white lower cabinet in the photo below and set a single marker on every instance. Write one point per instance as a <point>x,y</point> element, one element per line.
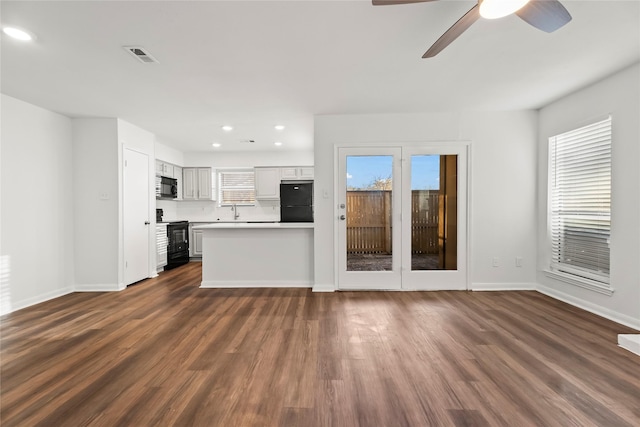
<point>195,242</point>
<point>162,241</point>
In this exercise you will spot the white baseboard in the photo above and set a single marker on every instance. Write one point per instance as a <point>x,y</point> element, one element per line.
<point>216,284</point>
<point>99,287</point>
<point>630,342</point>
<point>35,300</point>
<point>503,287</point>
<point>590,307</point>
<point>324,288</point>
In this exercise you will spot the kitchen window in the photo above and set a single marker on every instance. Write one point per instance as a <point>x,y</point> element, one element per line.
<point>580,205</point>
<point>236,187</point>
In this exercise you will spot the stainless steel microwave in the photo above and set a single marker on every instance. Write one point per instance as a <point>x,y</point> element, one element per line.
<point>166,188</point>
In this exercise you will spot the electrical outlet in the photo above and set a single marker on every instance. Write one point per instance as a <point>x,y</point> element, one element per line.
<point>496,261</point>
<point>518,261</point>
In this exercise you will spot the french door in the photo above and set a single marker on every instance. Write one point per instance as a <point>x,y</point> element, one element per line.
<point>401,217</point>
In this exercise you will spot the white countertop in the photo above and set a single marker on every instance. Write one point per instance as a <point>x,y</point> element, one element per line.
<point>252,225</point>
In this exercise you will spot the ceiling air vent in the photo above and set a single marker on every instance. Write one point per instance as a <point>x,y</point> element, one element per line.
<point>140,53</point>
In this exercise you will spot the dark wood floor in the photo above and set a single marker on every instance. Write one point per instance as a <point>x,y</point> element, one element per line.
<point>164,352</point>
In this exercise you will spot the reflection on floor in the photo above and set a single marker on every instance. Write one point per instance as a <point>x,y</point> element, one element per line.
<point>382,262</point>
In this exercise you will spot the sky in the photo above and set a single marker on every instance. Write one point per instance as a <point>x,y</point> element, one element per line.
<point>364,170</point>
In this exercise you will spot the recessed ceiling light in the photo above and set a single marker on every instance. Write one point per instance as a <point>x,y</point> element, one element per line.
<point>227,128</point>
<point>18,34</point>
<point>216,144</point>
<point>278,143</point>
<point>279,127</point>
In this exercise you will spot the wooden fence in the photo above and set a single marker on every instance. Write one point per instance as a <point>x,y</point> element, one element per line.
<point>369,227</point>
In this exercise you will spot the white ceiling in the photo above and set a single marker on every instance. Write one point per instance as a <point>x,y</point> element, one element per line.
<point>261,63</point>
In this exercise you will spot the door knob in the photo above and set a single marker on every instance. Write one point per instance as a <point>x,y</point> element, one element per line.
<point>342,217</point>
<point>147,223</point>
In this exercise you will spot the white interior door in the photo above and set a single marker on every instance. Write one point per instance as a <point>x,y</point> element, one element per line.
<point>368,218</point>
<point>136,216</point>
<point>401,218</point>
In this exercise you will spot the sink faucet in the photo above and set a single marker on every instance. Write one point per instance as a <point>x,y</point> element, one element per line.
<point>236,214</point>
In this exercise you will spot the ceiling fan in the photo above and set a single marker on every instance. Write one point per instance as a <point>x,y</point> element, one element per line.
<point>545,15</point>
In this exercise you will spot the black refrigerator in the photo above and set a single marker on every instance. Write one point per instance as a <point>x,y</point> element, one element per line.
<point>296,201</point>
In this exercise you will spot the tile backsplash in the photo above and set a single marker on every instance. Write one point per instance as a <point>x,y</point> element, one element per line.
<point>208,211</point>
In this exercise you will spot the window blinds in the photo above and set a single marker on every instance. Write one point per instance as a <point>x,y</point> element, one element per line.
<point>580,205</point>
<point>236,187</point>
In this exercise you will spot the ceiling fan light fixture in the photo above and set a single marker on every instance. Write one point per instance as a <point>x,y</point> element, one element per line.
<point>493,9</point>
<point>18,34</point>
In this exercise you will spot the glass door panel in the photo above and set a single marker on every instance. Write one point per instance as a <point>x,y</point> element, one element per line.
<point>434,226</point>
<point>368,215</point>
<point>434,212</point>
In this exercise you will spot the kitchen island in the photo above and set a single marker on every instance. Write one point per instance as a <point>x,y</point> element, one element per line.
<point>256,255</point>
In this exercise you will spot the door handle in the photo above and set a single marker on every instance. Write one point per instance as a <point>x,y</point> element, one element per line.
<point>342,217</point>
<point>147,223</point>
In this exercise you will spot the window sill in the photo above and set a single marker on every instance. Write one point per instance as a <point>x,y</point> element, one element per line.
<point>592,285</point>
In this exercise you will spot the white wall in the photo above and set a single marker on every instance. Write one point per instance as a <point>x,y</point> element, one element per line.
<point>234,159</point>
<point>618,95</point>
<point>37,206</point>
<point>96,203</point>
<point>502,185</point>
<point>503,197</point>
<point>168,154</point>
<point>142,141</point>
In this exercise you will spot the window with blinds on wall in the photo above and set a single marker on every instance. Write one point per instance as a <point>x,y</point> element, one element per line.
<point>580,201</point>
<point>236,187</point>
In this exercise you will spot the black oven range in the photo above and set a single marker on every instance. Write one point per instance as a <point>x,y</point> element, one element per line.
<point>178,247</point>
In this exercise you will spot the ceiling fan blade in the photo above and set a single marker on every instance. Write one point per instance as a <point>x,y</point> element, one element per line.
<point>545,15</point>
<point>390,2</point>
<point>452,33</point>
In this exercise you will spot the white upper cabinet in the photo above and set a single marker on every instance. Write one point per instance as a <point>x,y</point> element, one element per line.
<point>165,169</point>
<point>267,179</point>
<point>204,183</point>
<point>196,184</point>
<point>296,172</point>
<point>267,183</point>
<point>306,172</point>
<point>189,183</point>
